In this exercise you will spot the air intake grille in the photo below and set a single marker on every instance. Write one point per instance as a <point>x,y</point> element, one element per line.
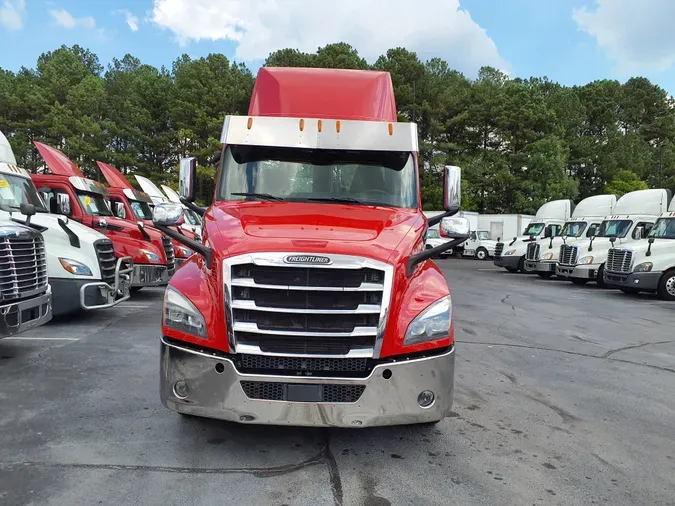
<point>106,259</point>
<point>533,251</point>
<point>170,256</point>
<point>23,266</point>
<point>499,249</point>
<point>273,391</point>
<point>265,364</point>
<point>619,260</point>
<point>568,255</point>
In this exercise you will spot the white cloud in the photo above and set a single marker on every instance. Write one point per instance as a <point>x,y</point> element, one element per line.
<point>131,19</point>
<point>66,20</point>
<point>11,13</point>
<point>637,35</point>
<point>439,28</point>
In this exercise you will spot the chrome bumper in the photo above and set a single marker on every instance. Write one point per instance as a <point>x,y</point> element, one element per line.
<point>544,266</point>
<point>589,271</point>
<point>27,314</point>
<point>124,270</point>
<point>383,401</point>
<point>150,275</point>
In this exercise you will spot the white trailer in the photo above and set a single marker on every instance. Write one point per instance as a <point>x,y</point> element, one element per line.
<point>503,226</point>
<point>478,244</point>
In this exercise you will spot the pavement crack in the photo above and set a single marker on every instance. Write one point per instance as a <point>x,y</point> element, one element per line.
<point>333,472</point>
<point>504,301</point>
<point>632,347</point>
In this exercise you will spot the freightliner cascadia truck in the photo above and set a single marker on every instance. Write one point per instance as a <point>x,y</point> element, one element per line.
<point>548,221</point>
<point>542,254</point>
<point>129,204</point>
<point>311,299</point>
<point>80,262</point>
<point>67,192</point>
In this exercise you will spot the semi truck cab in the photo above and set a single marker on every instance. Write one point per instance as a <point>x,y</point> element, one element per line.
<point>192,222</point>
<point>548,222</point>
<point>633,217</point>
<point>311,300</point>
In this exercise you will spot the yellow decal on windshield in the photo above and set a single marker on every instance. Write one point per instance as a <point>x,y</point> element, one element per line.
<point>4,184</point>
<point>87,201</point>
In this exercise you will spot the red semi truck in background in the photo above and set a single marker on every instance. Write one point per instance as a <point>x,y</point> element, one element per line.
<point>66,191</point>
<point>129,204</point>
<point>311,300</point>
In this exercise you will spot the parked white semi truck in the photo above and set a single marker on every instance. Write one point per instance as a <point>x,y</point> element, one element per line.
<point>548,222</point>
<point>646,265</point>
<point>632,219</point>
<point>80,262</point>
<point>542,255</point>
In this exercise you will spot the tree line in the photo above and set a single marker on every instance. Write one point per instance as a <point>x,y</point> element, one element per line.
<point>520,142</point>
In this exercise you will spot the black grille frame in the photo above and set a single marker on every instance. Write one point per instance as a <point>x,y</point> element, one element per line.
<point>499,249</point>
<point>278,391</point>
<point>533,251</point>
<point>23,266</point>
<point>303,366</point>
<point>568,255</point>
<point>107,262</point>
<point>619,261</point>
<point>170,255</point>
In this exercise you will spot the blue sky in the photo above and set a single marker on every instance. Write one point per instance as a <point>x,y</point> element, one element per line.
<point>570,41</point>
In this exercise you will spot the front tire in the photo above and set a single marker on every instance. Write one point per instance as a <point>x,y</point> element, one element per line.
<point>511,270</point>
<point>481,253</point>
<point>666,288</point>
<point>601,277</point>
<point>521,264</point>
<point>135,289</point>
<point>579,282</point>
<point>545,275</point>
<point>630,291</point>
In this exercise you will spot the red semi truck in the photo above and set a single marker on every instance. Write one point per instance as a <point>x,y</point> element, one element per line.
<point>66,191</point>
<point>129,204</point>
<point>311,299</point>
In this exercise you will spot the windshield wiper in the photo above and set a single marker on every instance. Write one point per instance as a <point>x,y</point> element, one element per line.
<point>339,200</point>
<point>261,196</point>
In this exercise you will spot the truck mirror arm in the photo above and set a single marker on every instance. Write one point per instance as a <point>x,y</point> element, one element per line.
<point>205,251</point>
<point>199,210</point>
<point>145,235</point>
<point>649,248</point>
<point>72,236</point>
<point>437,219</point>
<point>428,253</point>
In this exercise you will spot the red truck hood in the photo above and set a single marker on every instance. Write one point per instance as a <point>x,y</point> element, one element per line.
<point>381,233</point>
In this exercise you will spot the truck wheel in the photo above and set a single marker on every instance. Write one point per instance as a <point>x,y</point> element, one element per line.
<point>135,289</point>
<point>578,281</point>
<point>631,291</point>
<point>601,277</point>
<point>481,253</point>
<point>511,269</point>
<point>666,288</point>
<point>545,275</point>
<point>521,264</point>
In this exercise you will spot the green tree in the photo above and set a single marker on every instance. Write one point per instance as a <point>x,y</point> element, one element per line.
<point>624,182</point>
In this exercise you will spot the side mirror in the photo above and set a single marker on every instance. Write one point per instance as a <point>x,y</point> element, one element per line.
<point>120,211</point>
<point>650,240</point>
<point>187,177</point>
<point>27,209</point>
<point>452,188</point>
<point>167,215</point>
<point>639,233</point>
<point>63,202</point>
<point>612,240</point>
<point>548,231</point>
<point>456,228</point>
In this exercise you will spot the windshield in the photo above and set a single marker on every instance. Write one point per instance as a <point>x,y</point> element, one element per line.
<point>534,229</point>
<point>191,217</point>
<point>94,204</point>
<point>574,228</point>
<point>318,175</point>
<point>16,190</point>
<point>433,234</point>
<point>483,235</point>
<point>141,210</point>
<point>614,228</point>
<point>664,229</point>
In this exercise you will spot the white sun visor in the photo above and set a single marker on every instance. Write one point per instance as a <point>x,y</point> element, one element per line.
<point>313,133</point>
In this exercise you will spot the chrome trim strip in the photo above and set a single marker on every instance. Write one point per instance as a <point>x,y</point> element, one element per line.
<point>365,287</point>
<point>250,349</point>
<point>253,329</point>
<point>252,306</point>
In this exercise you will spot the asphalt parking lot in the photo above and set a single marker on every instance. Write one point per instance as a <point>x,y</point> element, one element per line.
<point>564,395</point>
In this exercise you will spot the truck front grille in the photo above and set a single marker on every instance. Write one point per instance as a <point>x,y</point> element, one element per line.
<point>307,310</point>
<point>23,266</point>
<point>533,251</point>
<point>265,364</point>
<point>568,255</point>
<point>273,391</point>
<point>499,248</point>
<point>170,256</point>
<point>619,260</point>
<point>106,260</point>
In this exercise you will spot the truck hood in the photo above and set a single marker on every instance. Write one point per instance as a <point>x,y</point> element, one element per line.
<point>54,231</point>
<point>382,233</point>
<point>519,245</point>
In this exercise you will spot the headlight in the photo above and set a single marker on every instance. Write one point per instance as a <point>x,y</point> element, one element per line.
<point>548,256</point>
<point>510,252</point>
<point>644,267</point>
<point>184,252</point>
<point>432,323</point>
<point>75,267</point>
<point>586,260</point>
<point>150,256</point>
<point>180,314</point>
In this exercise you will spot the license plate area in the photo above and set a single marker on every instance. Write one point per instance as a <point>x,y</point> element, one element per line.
<point>303,393</point>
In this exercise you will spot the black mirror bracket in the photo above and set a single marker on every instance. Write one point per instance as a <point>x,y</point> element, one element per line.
<point>203,250</point>
<point>428,253</point>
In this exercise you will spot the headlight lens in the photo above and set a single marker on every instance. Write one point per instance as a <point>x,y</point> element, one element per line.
<point>75,267</point>
<point>183,252</point>
<point>644,267</point>
<point>586,260</point>
<point>150,256</point>
<point>180,314</point>
<point>432,323</point>
<point>510,252</point>
<point>548,256</point>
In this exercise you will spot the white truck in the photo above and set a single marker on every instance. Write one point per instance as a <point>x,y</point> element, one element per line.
<point>542,255</point>
<point>632,218</point>
<point>548,222</point>
<point>646,265</point>
<point>503,225</point>
<point>479,244</point>
<point>80,262</point>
